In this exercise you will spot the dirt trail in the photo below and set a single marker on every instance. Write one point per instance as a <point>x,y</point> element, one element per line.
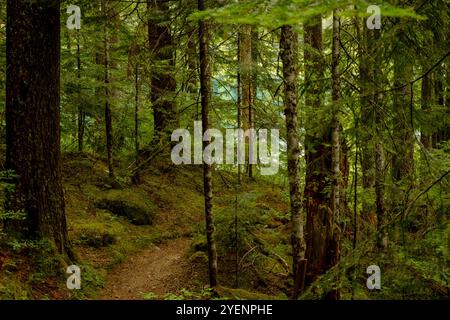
<point>161,270</point>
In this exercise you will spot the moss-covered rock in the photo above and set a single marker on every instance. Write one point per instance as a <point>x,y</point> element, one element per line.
<point>98,240</point>
<point>132,204</point>
<point>138,215</point>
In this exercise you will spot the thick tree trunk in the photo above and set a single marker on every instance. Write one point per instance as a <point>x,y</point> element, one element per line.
<point>289,57</point>
<point>163,83</point>
<point>108,117</point>
<point>321,247</point>
<point>32,120</point>
<point>205,91</point>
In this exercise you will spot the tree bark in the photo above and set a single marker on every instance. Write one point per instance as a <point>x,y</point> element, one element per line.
<point>367,84</point>
<point>402,168</point>
<point>108,117</point>
<point>321,247</point>
<point>378,106</point>
<point>32,120</point>
<point>440,135</point>
<point>163,84</point>
<point>136,111</point>
<point>239,100</point>
<point>205,91</point>
<point>245,60</point>
<point>403,159</point>
<point>289,57</point>
<point>334,235</point>
<point>426,97</point>
<point>81,113</point>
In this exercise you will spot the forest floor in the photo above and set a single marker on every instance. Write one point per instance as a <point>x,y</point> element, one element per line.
<point>160,270</point>
<point>165,258</point>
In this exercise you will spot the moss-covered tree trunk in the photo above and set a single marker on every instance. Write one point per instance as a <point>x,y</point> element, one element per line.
<point>163,84</point>
<point>334,232</point>
<point>32,120</point>
<point>205,91</point>
<point>106,79</point>
<point>321,245</point>
<point>289,57</point>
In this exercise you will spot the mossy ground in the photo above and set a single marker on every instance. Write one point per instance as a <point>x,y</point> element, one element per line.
<point>252,235</point>
<point>102,240</point>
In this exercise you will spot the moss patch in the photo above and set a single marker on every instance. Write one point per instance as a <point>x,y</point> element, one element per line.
<point>137,215</point>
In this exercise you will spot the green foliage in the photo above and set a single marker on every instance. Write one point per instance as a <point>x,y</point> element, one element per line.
<point>247,216</point>
<point>13,289</point>
<point>91,282</point>
<point>290,12</point>
<point>13,215</point>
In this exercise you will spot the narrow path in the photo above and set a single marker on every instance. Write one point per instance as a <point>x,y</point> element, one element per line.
<point>161,270</point>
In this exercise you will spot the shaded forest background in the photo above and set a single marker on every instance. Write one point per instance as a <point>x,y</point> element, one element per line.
<point>87,177</point>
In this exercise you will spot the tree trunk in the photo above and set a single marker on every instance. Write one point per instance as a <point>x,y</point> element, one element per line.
<point>32,120</point>
<point>163,83</point>
<point>289,57</point>
<point>108,118</point>
<point>334,233</point>
<point>366,78</point>
<point>426,100</point>
<point>378,106</point>
<point>403,159</point>
<point>245,60</point>
<point>382,238</point>
<point>136,111</point>
<point>439,136</point>
<point>403,135</point>
<point>205,91</point>
<point>81,112</point>
<point>321,248</point>
<point>239,100</point>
